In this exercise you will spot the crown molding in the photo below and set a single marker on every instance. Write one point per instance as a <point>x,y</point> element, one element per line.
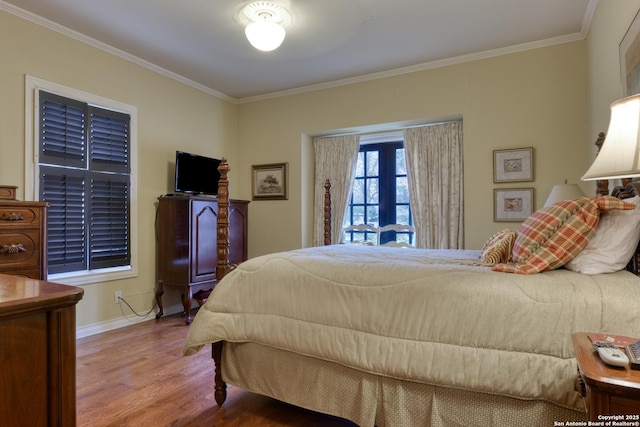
<point>420,67</point>
<point>310,88</point>
<point>36,19</point>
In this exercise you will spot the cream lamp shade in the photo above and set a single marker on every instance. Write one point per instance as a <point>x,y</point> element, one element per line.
<point>562,192</point>
<point>619,155</point>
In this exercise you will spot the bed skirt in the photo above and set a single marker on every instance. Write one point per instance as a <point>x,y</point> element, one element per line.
<point>368,399</point>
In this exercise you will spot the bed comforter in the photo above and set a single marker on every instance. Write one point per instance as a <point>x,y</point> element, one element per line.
<point>429,316</point>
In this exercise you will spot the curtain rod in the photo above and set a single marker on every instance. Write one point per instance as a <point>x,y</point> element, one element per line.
<point>389,130</point>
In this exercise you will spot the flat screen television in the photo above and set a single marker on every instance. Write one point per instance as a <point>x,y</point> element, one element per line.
<point>196,174</point>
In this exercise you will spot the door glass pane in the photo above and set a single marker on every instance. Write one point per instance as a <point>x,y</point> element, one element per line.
<point>372,163</point>
<point>372,215</point>
<point>360,164</point>
<point>358,236</point>
<point>402,190</point>
<point>358,214</point>
<point>402,214</point>
<point>358,191</point>
<point>401,165</point>
<point>347,216</point>
<point>403,237</point>
<point>372,191</point>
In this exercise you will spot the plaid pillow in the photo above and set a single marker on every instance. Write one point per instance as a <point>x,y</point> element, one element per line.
<point>498,247</point>
<point>554,235</point>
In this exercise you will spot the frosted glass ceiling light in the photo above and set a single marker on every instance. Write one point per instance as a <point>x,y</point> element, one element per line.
<point>265,32</point>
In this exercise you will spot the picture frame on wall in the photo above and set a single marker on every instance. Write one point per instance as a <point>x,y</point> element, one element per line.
<point>513,165</point>
<point>512,204</point>
<point>269,181</point>
<point>630,58</point>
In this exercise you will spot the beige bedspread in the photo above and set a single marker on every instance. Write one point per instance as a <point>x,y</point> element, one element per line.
<point>421,315</point>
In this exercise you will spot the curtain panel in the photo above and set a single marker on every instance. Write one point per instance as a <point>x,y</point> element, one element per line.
<point>335,160</point>
<point>435,178</point>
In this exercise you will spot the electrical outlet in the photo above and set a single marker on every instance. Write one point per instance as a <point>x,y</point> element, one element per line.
<point>117,297</point>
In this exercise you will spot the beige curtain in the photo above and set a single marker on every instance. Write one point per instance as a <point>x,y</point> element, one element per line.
<point>335,159</point>
<point>435,178</point>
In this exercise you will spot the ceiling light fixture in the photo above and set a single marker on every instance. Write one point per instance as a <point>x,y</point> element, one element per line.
<point>266,31</point>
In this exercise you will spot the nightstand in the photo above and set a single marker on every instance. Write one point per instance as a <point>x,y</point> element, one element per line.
<point>607,390</point>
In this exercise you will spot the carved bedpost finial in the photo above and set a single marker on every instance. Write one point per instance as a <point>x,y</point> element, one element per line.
<point>602,185</point>
<point>327,212</point>
<point>600,140</point>
<point>222,250</point>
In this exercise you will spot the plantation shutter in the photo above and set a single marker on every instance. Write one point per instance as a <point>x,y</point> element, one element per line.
<point>109,223</point>
<point>109,196</point>
<point>62,131</point>
<point>85,177</point>
<point>109,133</point>
<point>64,190</point>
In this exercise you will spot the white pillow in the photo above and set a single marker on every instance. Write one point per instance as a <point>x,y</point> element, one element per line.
<point>613,243</point>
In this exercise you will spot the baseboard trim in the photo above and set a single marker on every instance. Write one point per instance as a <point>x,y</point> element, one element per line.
<point>122,322</point>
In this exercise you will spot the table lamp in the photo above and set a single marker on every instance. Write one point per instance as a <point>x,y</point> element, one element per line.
<point>619,156</point>
<point>562,192</point>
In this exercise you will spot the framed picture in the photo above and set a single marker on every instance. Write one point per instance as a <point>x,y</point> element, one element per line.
<point>630,58</point>
<point>513,165</point>
<point>269,182</point>
<point>512,204</point>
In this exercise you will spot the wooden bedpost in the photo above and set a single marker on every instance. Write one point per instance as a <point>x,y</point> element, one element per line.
<point>222,248</point>
<point>602,185</point>
<point>222,268</point>
<point>220,393</point>
<point>327,212</point>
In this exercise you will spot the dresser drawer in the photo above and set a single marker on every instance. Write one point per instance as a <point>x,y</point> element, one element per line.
<point>19,217</point>
<point>19,249</point>
<point>29,273</point>
<point>8,192</point>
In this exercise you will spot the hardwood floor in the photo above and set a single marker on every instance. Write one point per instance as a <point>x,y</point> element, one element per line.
<point>137,376</point>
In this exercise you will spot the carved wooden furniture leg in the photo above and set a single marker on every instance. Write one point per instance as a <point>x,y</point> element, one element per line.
<point>221,386</point>
<point>159,294</point>
<point>186,303</point>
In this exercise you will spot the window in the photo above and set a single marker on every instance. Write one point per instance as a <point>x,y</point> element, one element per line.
<point>84,175</point>
<point>83,147</point>
<point>380,193</point>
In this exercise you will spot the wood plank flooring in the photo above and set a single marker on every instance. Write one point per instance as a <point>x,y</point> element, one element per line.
<point>137,376</point>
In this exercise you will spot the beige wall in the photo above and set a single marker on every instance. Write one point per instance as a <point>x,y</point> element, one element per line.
<point>608,27</point>
<point>534,99</point>
<point>171,115</point>
<point>554,99</point>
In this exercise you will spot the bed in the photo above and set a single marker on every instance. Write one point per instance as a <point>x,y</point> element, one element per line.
<point>405,337</point>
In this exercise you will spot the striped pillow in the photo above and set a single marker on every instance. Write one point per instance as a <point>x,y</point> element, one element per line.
<point>554,235</point>
<point>498,247</point>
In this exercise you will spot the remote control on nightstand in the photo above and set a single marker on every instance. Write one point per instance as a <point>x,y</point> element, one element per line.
<point>611,354</point>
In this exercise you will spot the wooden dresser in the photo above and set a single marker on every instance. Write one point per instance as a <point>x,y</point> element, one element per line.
<point>37,352</point>
<point>186,248</point>
<point>23,238</point>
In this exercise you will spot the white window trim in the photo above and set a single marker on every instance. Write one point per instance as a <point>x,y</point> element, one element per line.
<point>33,86</point>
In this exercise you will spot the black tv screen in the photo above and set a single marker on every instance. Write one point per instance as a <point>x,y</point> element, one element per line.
<point>196,174</point>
